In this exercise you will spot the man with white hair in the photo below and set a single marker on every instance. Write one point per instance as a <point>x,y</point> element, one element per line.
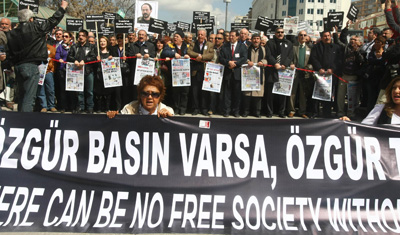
<point>244,36</point>
<point>27,49</point>
<point>201,51</point>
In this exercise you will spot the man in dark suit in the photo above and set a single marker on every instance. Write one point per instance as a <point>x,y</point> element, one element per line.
<point>201,51</point>
<point>233,55</point>
<point>301,85</point>
<point>326,58</point>
<point>280,55</point>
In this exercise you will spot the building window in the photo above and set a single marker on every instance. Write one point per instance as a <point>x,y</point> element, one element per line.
<point>332,10</point>
<point>310,11</point>
<point>320,23</point>
<point>332,1</point>
<point>320,11</point>
<point>321,1</point>
<point>283,13</point>
<point>284,2</point>
<point>310,0</point>
<point>301,11</point>
<point>301,1</point>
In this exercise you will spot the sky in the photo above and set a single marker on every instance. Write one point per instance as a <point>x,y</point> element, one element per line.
<point>182,10</point>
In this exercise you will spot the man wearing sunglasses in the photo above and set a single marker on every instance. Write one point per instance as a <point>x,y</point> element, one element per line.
<point>280,55</point>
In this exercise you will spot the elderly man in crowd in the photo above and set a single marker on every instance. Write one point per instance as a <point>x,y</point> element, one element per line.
<point>301,88</point>
<point>201,51</point>
<point>141,49</point>
<point>5,24</point>
<point>244,35</point>
<point>256,56</point>
<point>27,49</point>
<point>178,50</point>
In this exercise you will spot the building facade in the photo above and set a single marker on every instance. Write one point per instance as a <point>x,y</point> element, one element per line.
<point>312,11</point>
<point>368,7</point>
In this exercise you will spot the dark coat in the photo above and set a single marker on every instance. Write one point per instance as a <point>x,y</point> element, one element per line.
<point>272,54</point>
<point>27,42</point>
<point>332,61</point>
<point>86,52</point>
<point>240,56</point>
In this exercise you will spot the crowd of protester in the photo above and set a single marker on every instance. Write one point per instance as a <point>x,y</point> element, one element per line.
<point>373,64</point>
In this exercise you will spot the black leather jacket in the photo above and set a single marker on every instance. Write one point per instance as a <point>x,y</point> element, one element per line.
<point>27,42</point>
<point>87,53</point>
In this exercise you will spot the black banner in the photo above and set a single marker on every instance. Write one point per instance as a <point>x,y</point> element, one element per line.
<point>157,26</point>
<point>209,27</point>
<point>104,29</point>
<point>264,24</point>
<point>124,26</point>
<point>239,26</point>
<point>91,21</point>
<point>277,23</point>
<point>109,19</point>
<point>32,5</point>
<point>335,19</point>
<point>182,26</point>
<point>201,17</point>
<point>353,13</point>
<point>74,25</point>
<point>212,20</point>
<point>143,174</point>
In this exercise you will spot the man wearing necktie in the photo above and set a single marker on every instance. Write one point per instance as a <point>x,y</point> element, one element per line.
<point>233,55</point>
<point>301,85</point>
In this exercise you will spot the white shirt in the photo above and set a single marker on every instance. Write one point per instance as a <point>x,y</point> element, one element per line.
<point>373,116</point>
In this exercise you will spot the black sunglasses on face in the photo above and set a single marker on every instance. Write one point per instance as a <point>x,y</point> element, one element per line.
<point>146,94</point>
<point>219,38</point>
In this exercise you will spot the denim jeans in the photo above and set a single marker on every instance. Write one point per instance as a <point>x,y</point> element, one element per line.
<point>46,92</point>
<point>86,97</point>
<point>27,75</point>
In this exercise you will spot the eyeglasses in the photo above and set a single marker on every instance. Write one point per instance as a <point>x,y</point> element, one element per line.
<point>219,38</point>
<point>119,38</point>
<point>280,32</point>
<point>303,35</point>
<point>65,36</point>
<point>146,94</point>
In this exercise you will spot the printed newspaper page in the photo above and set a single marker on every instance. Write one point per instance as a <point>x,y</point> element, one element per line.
<point>75,77</point>
<point>213,77</point>
<point>180,72</point>
<point>111,72</point>
<point>285,84</point>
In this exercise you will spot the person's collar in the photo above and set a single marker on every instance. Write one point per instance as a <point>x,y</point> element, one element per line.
<point>143,111</point>
<point>234,44</point>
